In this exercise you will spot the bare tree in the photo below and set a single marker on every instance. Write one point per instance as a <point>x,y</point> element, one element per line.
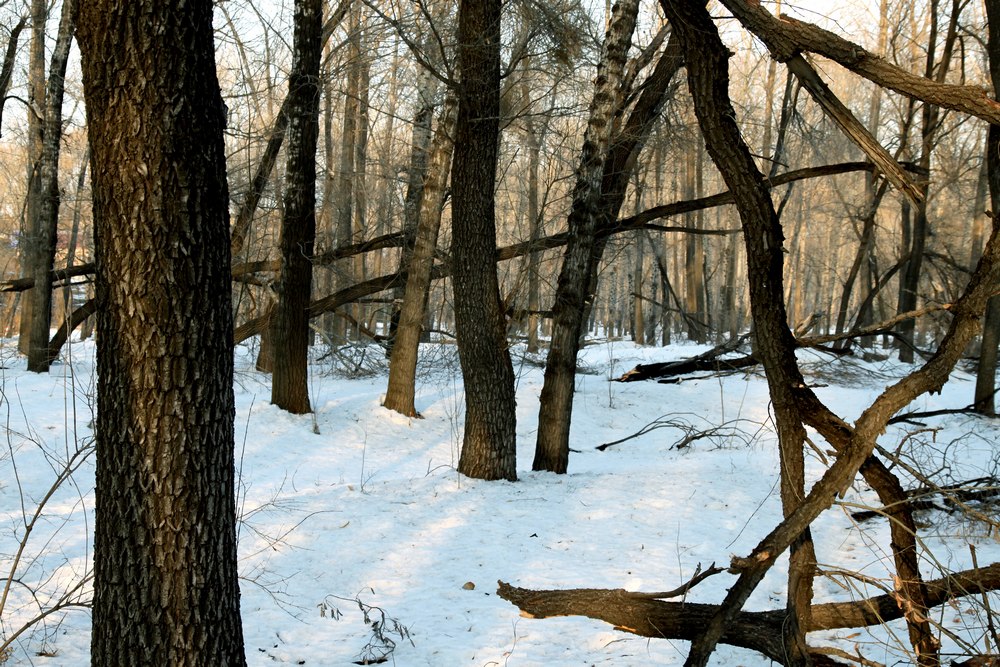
<point>43,245</point>
<point>488,446</point>
<point>290,321</point>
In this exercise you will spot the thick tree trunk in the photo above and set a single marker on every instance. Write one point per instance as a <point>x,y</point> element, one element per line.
<point>399,395</point>
<point>290,321</point>
<point>44,245</point>
<point>488,447</point>
<point>555,411</point>
<point>165,589</point>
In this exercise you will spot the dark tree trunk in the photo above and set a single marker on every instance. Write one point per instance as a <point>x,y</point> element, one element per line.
<point>708,79</point>
<point>7,71</point>
<point>399,395</point>
<point>165,588</point>
<point>290,321</point>
<point>987,370</point>
<point>488,446</point>
<point>44,246</point>
<point>574,283</point>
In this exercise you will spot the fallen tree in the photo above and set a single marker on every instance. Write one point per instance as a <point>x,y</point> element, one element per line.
<point>651,615</point>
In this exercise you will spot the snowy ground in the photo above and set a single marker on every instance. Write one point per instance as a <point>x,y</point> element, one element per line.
<point>361,505</point>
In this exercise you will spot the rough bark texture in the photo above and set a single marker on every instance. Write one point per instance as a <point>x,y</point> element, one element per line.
<point>40,356</point>
<point>488,450</point>
<point>290,321</point>
<point>399,395</point>
<point>166,590</point>
<point>555,411</point>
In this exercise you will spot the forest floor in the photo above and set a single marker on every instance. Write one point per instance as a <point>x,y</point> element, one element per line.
<point>355,515</point>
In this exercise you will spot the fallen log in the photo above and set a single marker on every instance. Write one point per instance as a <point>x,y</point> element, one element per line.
<point>641,614</point>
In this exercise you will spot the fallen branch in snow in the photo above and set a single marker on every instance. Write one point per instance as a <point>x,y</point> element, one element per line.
<point>712,361</point>
<point>649,615</point>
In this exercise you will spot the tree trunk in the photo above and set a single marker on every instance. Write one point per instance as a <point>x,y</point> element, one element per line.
<point>420,141</point>
<point>290,322</point>
<point>36,130</point>
<point>44,245</point>
<point>708,80</point>
<point>399,395</point>
<point>488,447</point>
<point>534,147</point>
<point>165,588</point>
<point>555,411</point>
<point>910,278</point>
<point>348,140</point>
<point>987,369</point>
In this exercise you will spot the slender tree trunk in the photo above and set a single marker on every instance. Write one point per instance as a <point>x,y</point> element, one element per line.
<point>359,226</point>
<point>555,411</point>
<point>165,587</point>
<point>346,177</point>
<point>534,146</point>
<point>910,279</point>
<point>44,246</point>
<point>399,395</point>
<point>7,70</point>
<point>290,322</point>
<point>30,229</point>
<point>488,447</point>
<point>986,372</point>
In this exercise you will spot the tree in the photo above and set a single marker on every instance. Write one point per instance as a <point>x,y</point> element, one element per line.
<point>47,206</point>
<point>488,450</point>
<point>36,117</point>
<point>290,322</point>
<point>166,589</point>
<point>552,446</point>
<point>399,395</point>
<point>987,370</point>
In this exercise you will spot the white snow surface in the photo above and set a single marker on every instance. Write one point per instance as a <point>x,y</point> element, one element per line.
<point>356,505</point>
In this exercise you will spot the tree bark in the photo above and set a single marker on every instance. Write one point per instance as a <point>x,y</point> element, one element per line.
<point>290,320</point>
<point>166,589</point>
<point>556,402</point>
<point>488,447</point>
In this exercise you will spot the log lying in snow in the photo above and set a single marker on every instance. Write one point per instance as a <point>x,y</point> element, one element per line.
<point>647,615</point>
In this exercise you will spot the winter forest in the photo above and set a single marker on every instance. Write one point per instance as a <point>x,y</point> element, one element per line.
<point>532,332</point>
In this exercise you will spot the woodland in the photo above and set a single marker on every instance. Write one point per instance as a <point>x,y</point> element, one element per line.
<point>762,178</point>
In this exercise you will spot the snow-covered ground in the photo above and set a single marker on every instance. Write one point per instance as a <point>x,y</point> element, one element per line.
<point>358,507</point>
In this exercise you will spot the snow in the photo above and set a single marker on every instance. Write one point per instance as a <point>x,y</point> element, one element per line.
<point>357,508</point>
